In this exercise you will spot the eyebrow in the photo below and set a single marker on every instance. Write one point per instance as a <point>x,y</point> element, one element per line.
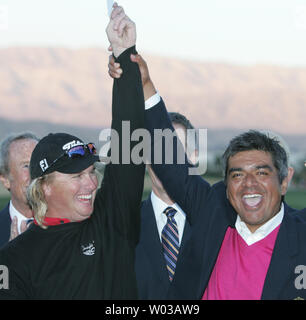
<point>266,166</point>
<point>234,169</point>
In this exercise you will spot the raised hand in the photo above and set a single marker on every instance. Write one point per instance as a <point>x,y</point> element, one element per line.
<point>121,31</point>
<point>115,71</point>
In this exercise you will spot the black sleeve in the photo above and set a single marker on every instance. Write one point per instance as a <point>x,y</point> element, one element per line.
<point>189,191</point>
<point>122,186</point>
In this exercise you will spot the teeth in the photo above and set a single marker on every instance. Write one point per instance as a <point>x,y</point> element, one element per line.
<point>248,196</point>
<point>85,197</point>
<point>252,200</point>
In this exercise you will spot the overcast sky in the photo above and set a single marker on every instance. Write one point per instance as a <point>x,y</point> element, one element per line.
<point>234,31</point>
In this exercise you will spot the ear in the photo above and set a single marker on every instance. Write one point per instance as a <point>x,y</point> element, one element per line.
<point>290,173</point>
<point>6,182</point>
<point>46,189</point>
<point>286,182</point>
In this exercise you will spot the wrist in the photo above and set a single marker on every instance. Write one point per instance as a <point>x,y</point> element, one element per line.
<point>148,89</point>
<point>117,51</point>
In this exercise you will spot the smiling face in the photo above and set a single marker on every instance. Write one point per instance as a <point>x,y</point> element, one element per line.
<point>18,178</point>
<point>253,187</point>
<point>71,196</point>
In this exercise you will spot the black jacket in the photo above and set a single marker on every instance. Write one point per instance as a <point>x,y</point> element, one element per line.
<point>210,214</point>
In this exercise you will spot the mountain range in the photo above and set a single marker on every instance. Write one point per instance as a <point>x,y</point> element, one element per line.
<point>70,88</point>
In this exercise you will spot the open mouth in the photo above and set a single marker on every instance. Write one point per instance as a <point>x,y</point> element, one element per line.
<point>85,197</point>
<point>252,200</point>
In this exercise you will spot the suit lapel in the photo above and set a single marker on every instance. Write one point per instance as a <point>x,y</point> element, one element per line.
<point>5,225</point>
<point>282,262</point>
<point>151,242</point>
<point>186,234</point>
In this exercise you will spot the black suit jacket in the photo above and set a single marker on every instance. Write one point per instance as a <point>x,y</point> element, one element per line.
<point>151,273</point>
<point>210,214</point>
<point>5,225</point>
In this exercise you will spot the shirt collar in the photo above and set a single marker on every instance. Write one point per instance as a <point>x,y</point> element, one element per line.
<point>262,231</point>
<point>159,206</point>
<point>53,221</point>
<point>161,219</point>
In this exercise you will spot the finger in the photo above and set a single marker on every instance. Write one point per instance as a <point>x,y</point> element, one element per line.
<point>14,229</point>
<point>114,69</point>
<point>111,59</point>
<point>113,75</point>
<point>116,11</point>
<point>124,23</point>
<point>137,58</point>
<point>118,20</point>
<point>23,226</point>
<point>114,66</point>
<point>114,72</point>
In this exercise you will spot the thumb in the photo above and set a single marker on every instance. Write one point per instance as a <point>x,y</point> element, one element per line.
<point>137,58</point>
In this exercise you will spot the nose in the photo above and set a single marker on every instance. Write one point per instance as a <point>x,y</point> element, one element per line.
<point>249,180</point>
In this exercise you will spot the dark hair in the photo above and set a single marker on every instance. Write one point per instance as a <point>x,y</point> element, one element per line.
<point>178,118</point>
<point>255,140</point>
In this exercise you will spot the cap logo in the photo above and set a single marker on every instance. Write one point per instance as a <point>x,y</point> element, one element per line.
<point>44,165</point>
<point>72,144</point>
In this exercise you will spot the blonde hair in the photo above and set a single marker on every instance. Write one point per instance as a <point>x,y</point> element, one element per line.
<point>36,199</point>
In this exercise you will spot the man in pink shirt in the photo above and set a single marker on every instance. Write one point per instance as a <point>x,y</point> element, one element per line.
<point>246,242</point>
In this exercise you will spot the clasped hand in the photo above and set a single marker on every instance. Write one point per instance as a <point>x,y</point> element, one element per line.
<point>121,31</point>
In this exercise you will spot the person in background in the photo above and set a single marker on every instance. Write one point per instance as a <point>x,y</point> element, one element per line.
<point>154,271</point>
<point>15,155</point>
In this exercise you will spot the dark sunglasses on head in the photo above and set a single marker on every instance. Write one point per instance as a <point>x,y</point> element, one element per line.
<point>77,152</point>
<point>80,151</point>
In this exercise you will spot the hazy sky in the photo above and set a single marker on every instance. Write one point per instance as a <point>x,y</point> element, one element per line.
<point>239,31</point>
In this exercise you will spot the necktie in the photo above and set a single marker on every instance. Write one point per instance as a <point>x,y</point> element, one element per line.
<point>170,241</point>
<point>29,221</point>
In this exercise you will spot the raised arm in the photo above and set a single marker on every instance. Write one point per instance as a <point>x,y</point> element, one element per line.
<point>115,71</point>
<point>183,188</point>
<point>122,185</point>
